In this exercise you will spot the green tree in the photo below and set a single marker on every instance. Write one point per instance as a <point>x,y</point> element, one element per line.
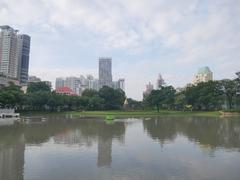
<point>11,96</point>
<point>162,98</point>
<point>38,86</point>
<point>204,96</point>
<point>113,99</point>
<point>229,88</point>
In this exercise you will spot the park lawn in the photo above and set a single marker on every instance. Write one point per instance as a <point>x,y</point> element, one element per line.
<point>121,113</point>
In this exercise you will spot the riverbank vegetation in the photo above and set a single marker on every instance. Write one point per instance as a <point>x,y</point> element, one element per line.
<point>205,96</point>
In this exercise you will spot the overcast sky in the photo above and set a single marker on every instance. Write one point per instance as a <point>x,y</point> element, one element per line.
<point>143,37</point>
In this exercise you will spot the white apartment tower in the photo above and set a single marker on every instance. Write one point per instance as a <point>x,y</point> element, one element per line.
<point>9,59</point>
<point>14,54</point>
<point>204,74</point>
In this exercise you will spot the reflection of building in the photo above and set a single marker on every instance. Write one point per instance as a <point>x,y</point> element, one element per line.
<point>204,74</point>
<point>149,88</point>
<point>104,152</point>
<point>12,159</point>
<point>105,72</point>
<point>160,81</point>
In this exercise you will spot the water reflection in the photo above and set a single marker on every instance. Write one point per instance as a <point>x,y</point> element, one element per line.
<point>139,154</point>
<point>208,132</point>
<point>12,148</point>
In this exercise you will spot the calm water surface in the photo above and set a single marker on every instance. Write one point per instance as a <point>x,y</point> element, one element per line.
<point>61,148</point>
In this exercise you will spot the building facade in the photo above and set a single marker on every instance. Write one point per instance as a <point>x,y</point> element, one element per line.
<point>9,52</point>
<point>60,82</point>
<point>105,72</point>
<point>204,75</point>
<point>24,50</point>
<point>34,79</point>
<point>160,81</point>
<point>14,54</point>
<point>149,88</point>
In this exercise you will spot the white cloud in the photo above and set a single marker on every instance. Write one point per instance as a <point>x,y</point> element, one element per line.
<point>201,32</point>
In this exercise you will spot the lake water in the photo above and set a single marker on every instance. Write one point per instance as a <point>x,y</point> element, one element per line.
<point>63,148</point>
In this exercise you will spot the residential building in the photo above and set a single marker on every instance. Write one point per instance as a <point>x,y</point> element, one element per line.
<point>24,50</point>
<point>160,81</point>
<point>105,72</point>
<point>204,74</point>
<point>149,88</point>
<point>9,52</point>
<point>73,83</point>
<point>66,91</point>
<point>60,82</point>
<point>4,80</point>
<point>120,84</point>
<point>33,79</point>
<point>14,54</point>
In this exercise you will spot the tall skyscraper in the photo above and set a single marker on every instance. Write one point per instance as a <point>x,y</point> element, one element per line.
<point>60,82</point>
<point>160,81</point>
<point>105,72</point>
<point>9,52</point>
<point>24,50</point>
<point>204,74</point>
<point>14,54</point>
<point>73,83</point>
<point>149,88</point>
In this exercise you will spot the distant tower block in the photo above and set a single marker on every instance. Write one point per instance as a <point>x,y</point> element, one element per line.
<point>160,81</point>
<point>204,75</point>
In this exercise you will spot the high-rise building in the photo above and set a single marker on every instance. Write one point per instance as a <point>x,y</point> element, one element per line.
<point>149,88</point>
<point>105,72</point>
<point>73,83</point>
<point>160,81</point>
<point>204,74</point>
<point>120,84</point>
<point>14,54</point>
<point>60,82</point>
<point>9,52</point>
<point>24,50</point>
<point>34,79</point>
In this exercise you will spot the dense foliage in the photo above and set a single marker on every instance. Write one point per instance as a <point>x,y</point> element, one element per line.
<point>40,97</point>
<point>211,95</point>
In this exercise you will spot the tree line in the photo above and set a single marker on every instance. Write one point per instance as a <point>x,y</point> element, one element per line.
<point>204,96</point>
<point>39,97</point>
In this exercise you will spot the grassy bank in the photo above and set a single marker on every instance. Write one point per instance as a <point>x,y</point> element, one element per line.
<point>120,113</point>
<point>144,113</point>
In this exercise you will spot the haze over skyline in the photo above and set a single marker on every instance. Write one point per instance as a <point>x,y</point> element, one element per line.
<point>144,38</point>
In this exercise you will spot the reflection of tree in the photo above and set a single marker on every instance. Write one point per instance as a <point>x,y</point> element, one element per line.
<point>64,131</point>
<point>209,132</point>
<point>162,130</point>
<point>81,132</point>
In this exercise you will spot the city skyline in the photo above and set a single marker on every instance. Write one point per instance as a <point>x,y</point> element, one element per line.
<point>143,38</point>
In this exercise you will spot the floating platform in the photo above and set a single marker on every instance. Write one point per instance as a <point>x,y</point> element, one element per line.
<point>8,113</point>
